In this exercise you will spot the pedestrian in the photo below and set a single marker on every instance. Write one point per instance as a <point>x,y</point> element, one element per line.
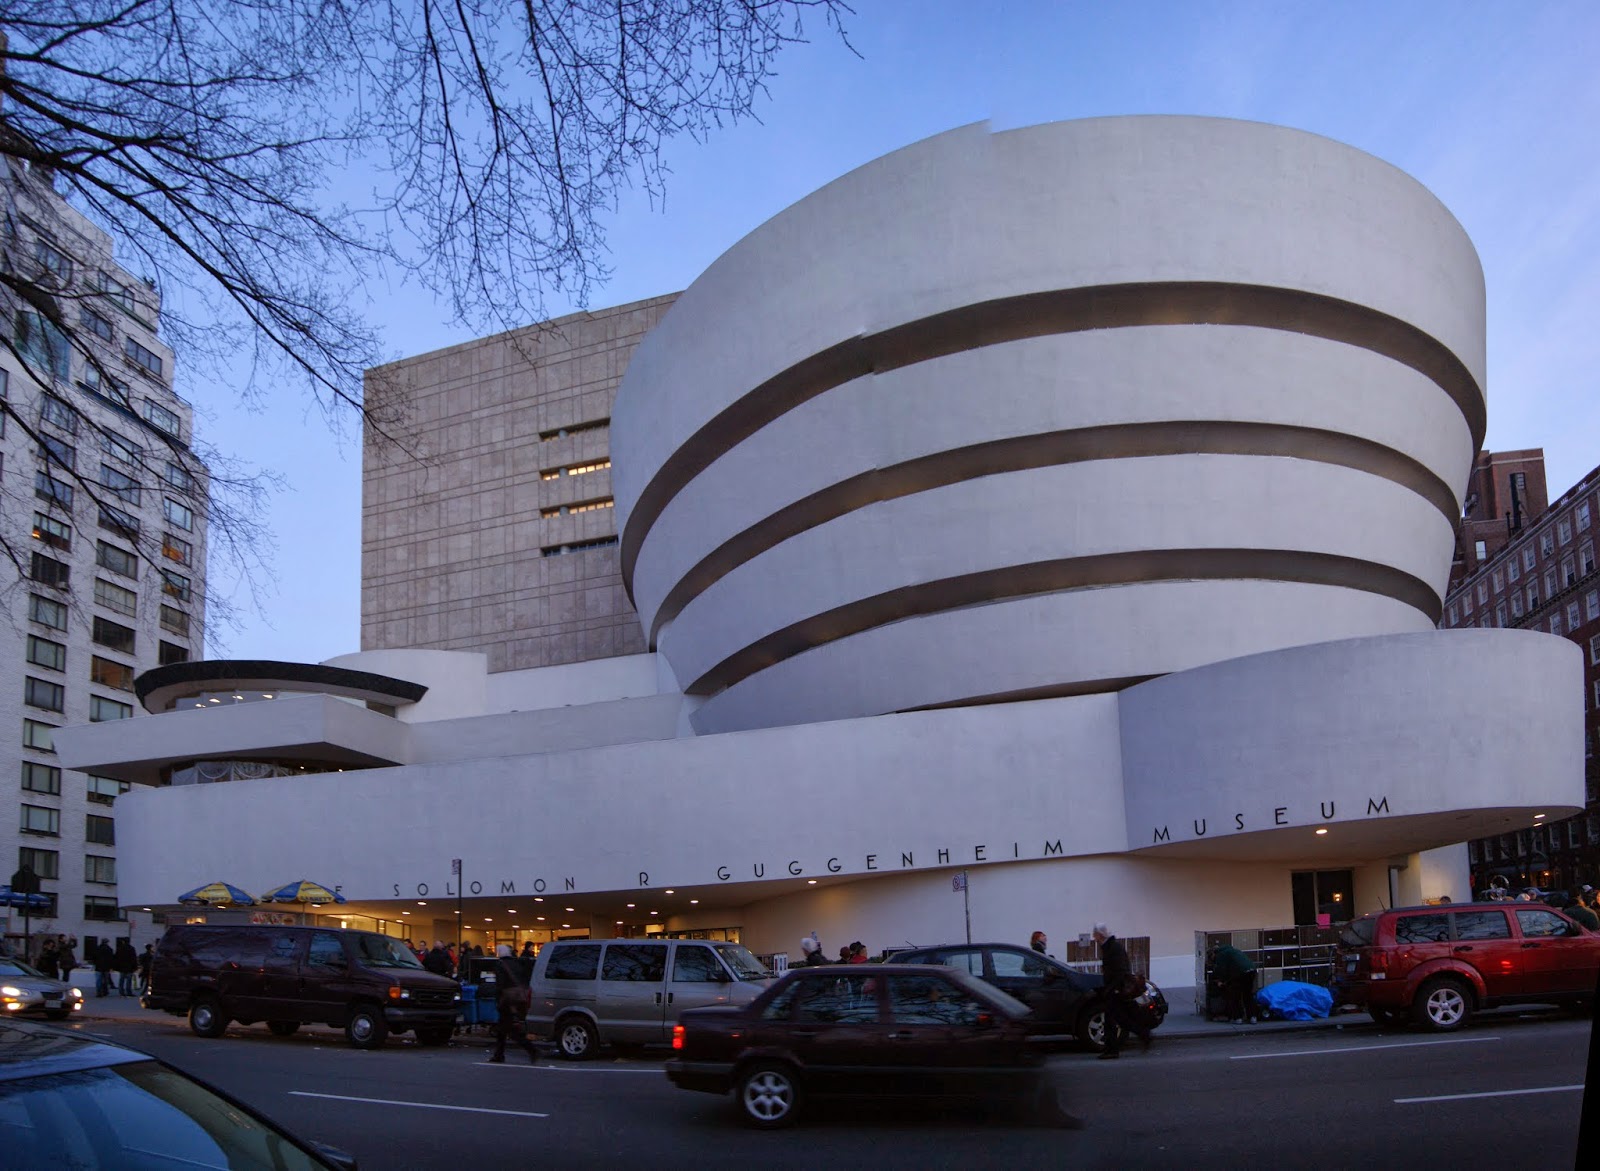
<point>812,947</point>
<point>125,962</point>
<point>512,975</point>
<point>1121,986</point>
<point>844,954</point>
<point>1581,913</point>
<point>147,959</point>
<point>1038,942</point>
<point>66,955</point>
<point>858,953</point>
<point>1236,973</point>
<point>46,962</point>
<point>104,957</point>
<point>528,952</point>
<point>437,960</point>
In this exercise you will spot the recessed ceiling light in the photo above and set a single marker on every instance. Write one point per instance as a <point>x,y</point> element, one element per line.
<point>405,912</point>
<point>511,910</point>
<point>540,918</point>
<point>811,882</point>
<point>566,925</point>
<point>570,910</point>
<point>619,922</point>
<point>672,892</point>
<point>1322,831</point>
<point>1537,816</point>
<point>655,912</point>
<point>632,905</point>
<point>421,903</point>
<point>537,899</point>
<point>694,901</point>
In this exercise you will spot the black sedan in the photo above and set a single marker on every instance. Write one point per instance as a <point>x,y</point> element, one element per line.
<point>890,1030</point>
<point>1066,1003</point>
<point>67,1101</point>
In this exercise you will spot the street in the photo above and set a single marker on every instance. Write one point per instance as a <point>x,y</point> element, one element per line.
<point>1506,1092</point>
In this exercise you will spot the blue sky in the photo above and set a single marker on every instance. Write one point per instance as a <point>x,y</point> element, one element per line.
<point>1493,105</point>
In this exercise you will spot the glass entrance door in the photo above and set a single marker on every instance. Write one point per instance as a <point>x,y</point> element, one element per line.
<point>1323,892</point>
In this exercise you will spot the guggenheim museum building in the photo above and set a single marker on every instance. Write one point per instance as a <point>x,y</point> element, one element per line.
<point>1069,507</point>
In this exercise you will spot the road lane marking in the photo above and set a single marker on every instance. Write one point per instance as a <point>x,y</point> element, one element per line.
<point>1361,1048</point>
<point>418,1105</point>
<point>573,1068</point>
<point>1489,1094</point>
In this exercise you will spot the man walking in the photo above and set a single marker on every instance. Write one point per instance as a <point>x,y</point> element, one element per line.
<point>512,975</point>
<point>1121,987</point>
<point>1235,972</point>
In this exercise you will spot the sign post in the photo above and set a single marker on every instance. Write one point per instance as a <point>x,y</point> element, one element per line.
<point>959,882</point>
<point>455,868</point>
<point>25,883</point>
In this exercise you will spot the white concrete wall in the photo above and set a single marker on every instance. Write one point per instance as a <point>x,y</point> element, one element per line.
<point>456,680</point>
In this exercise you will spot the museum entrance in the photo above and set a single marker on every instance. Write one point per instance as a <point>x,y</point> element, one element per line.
<point>1323,892</point>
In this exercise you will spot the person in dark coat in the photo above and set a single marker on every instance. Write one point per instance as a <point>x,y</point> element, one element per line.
<point>1121,987</point>
<point>812,947</point>
<point>125,962</point>
<point>1236,973</point>
<point>512,975</point>
<point>1038,942</point>
<point>66,957</point>
<point>147,959</point>
<point>104,958</point>
<point>437,960</point>
<point>46,962</point>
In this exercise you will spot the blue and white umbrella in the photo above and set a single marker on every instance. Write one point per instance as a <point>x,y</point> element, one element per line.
<point>31,902</point>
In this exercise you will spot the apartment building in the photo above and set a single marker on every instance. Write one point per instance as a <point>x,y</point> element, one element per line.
<point>104,525</point>
<point>1505,494</point>
<point>1543,577</point>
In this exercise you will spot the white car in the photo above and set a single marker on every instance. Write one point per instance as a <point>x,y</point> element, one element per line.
<point>25,989</point>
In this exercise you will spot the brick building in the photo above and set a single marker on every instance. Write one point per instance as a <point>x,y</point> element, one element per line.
<point>1505,494</point>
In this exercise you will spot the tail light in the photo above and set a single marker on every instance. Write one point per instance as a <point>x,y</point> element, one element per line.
<point>677,1036</point>
<point>1378,960</point>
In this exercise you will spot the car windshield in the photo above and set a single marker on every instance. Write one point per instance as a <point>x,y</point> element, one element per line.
<point>379,951</point>
<point>17,968</point>
<point>136,1115</point>
<point>745,966</point>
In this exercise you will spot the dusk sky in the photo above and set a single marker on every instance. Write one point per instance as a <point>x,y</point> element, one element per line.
<point>1491,105</point>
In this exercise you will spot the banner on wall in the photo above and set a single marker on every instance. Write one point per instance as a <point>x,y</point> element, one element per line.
<point>275,918</point>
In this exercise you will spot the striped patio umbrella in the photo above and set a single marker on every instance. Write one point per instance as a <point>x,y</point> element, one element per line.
<point>216,894</point>
<point>303,892</point>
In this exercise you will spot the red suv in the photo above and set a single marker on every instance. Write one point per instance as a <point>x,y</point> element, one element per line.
<point>1443,963</point>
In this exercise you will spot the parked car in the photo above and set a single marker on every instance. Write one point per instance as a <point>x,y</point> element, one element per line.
<point>1067,1004</point>
<point>894,1030</point>
<point>367,984</point>
<point>69,1101</point>
<point>1442,963</point>
<point>629,991</point>
<point>25,990</point>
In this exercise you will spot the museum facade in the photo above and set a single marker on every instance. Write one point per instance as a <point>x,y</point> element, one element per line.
<point>1070,507</point>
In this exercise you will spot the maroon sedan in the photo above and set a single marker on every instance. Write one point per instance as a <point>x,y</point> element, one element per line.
<point>900,1030</point>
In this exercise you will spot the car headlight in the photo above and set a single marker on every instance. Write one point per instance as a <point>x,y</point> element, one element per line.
<point>8,990</point>
<point>75,993</point>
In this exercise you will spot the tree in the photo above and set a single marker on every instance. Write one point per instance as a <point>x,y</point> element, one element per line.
<point>204,136</point>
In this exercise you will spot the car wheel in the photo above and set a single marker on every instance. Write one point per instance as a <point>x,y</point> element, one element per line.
<point>1442,1004</point>
<point>769,1095</point>
<point>576,1039</point>
<point>206,1019</point>
<point>1092,1027</point>
<point>283,1028</point>
<point>434,1035</point>
<point>366,1028</point>
<point>1385,1016</point>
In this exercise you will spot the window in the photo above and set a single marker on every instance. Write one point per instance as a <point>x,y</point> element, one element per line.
<point>1482,925</point>
<point>577,961</point>
<point>109,633</point>
<point>637,963</point>
<point>119,293</point>
<point>1586,558</point>
<point>109,673</point>
<point>1594,650</point>
<point>117,447</point>
<point>574,509</point>
<point>53,261</point>
<point>44,863</point>
<point>1513,570</point>
<point>175,585</point>
<point>178,478</point>
<point>100,869</point>
<point>1516,605</point>
<point>174,620</point>
<point>177,515</point>
<point>41,693</point>
<point>55,533</point>
<point>58,452</point>
<point>101,909</point>
<point>1574,619</point>
<point>41,778</point>
<point>46,612</point>
<point>1564,531</point>
<point>1422,929</point>
<point>1466,602</point>
<point>125,525</point>
<point>1483,593</point>
<point>1555,622</point>
<point>1538,924</point>
<point>171,652</point>
<point>106,387</point>
<point>101,831</point>
<point>695,965</point>
<point>1450,615</point>
<point>176,549</point>
<point>141,357</point>
<point>326,951</point>
<point>121,485</point>
<point>1500,614</point>
<point>1550,583</point>
<point>1583,516</point>
<point>42,345</point>
<point>1499,581</point>
<point>37,819</point>
<point>116,559</point>
<point>1547,543</point>
<point>47,487</point>
<point>40,737</point>
<point>44,653</point>
<point>102,710</point>
<point>57,413</point>
<point>115,597</point>
<point>1481,550</point>
<point>932,1000</point>
<point>1591,605</point>
<point>575,429</point>
<point>598,465</point>
<point>1530,559</point>
<point>1533,597</point>
<point>105,790</point>
<point>836,999</point>
<point>161,419</point>
<point>1569,571</point>
<point>576,546</point>
<point>48,571</point>
<point>95,324</point>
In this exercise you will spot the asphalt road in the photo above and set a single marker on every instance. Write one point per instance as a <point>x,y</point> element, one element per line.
<point>1506,1092</point>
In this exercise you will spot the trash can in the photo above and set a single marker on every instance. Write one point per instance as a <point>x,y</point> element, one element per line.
<point>469,1005</point>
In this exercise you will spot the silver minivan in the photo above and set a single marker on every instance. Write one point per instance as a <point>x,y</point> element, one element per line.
<point>588,992</point>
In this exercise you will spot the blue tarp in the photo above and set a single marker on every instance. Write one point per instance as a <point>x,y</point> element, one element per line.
<point>1291,1000</point>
